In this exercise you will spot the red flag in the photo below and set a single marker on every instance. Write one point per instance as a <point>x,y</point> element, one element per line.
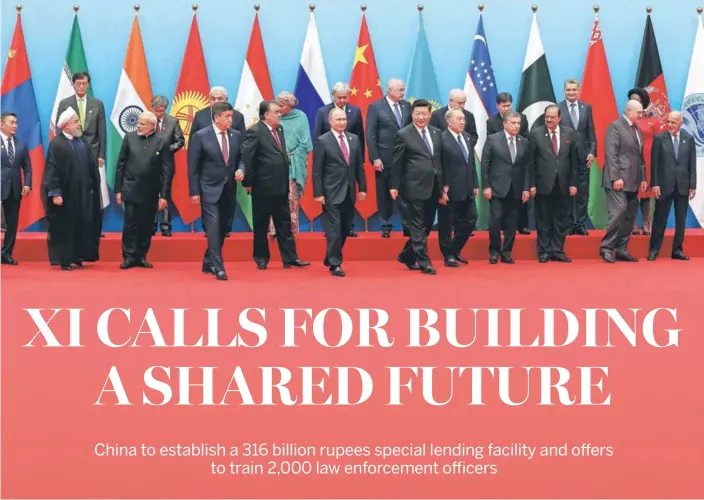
<point>190,97</point>
<point>365,88</point>
<point>18,97</point>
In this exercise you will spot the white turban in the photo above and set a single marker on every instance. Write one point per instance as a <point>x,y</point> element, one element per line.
<point>66,116</point>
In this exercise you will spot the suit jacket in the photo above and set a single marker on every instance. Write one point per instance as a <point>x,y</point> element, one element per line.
<point>144,168</point>
<point>586,137</point>
<point>414,170</point>
<point>499,173</point>
<point>437,120</point>
<point>11,179</point>
<point>266,166</point>
<point>624,156</point>
<point>204,119</point>
<point>171,131</point>
<point>94,128</point>
<point>208,173</point>
<point>382,127</point>
<point>355,124</point>
<point>495,124</point>
<point>670,173</point>
<point>546,166</point>
<point>332,176</point>
<point>460,175</point>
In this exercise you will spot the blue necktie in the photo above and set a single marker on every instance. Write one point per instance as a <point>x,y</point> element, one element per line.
<point>465,153</point>
<point>10,150</point>
<point>397,111</point>
<point>424,133</point>
<point>676,143</point>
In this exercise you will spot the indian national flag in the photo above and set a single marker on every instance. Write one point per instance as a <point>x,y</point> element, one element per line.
<point>134,95</point>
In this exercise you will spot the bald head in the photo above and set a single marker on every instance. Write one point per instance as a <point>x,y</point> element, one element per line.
<point>674,122</point>
<point>633,110</point>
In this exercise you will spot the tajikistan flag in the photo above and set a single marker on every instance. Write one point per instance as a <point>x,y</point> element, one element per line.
<point>134,95</point>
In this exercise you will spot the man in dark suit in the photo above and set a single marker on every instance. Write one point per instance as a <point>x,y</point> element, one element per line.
<point>385,118</point>
<point>355,124</point>
<point>624,175</point>
<point>143,184</point>
<point>204,119</point>
<point>555,163</point>
<point>168,127</point>
<point>456,100</point>
<point>91,112</point>
<point>15,162</point>
<point>267,178</point>
<point>417,176</point>
<point>460,212</point>
<point>505,175</point>
<point>494,125</point>
<point>577,115</point>
<point>338,166</point>
<point>215,165</point>
<point>673,169</point>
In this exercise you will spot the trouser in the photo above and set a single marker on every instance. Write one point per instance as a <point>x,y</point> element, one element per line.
<point>277,208</point>
<point>459,216</point>
<point>662,211</point>
<point>11,210</point>
<point>384,203</point>
<point>162,223</point>
<point>580,201</point>
<point>215,217</point>
<point>622,207</point>
<point>418,218</point>
<point>553,220</point>
<point>338,222</point>
<point>137,229</point>
<point>503,214</point>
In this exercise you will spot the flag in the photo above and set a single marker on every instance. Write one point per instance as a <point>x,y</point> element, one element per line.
<point>597,90</point>
<point>480,87</point>
<point>18,97</point>
<point>75,62</point>
<point>365,88</point>
<point>255,87</point>
<point>134,95</point>
<point>422,82</point>
<point>693,113</point>
<point>312,93</point>
<point>190,97</point>
<point>536,90</point>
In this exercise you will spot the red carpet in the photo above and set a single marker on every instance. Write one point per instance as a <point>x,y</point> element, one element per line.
<point>51,422</point>
<point>189,247</point>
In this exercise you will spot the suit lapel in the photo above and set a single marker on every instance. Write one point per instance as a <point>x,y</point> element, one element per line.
<point>391,113</point>
<point>216,137</point>
<point>89,112</point>
<point>504,143</point>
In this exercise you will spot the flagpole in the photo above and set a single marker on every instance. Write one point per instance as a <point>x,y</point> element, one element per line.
<point>366,220</point>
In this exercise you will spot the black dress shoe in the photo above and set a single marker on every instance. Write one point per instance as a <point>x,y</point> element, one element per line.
<point>9,261</point>
<point>451,262</point>
<point>128,264</point>
<point>461,259</point>
<point>626,257</point>
<point>261,266</point>
<point>679,256</point>
<point>652,256</point>
<point>221,275</point>
<point>543,258</point>
<point>166,234</point>
<point>296,263</point>
<point>427,270</point>
<point>66,268</point>
<point>385,233</point>
<point>412,267</point>
<point>507,259</point>
<point>524,230</point>
<point>352,234</point>
<point>608,257</point>
<point>493,259</point>
<point>560,257</point>
<point>337,271</point>
<point>146,264</point>
<point>208,269</point>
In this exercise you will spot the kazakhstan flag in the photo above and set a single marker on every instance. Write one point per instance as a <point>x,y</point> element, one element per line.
<point>421,82</point>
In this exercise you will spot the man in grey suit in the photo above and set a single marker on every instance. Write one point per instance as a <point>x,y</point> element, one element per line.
<point>624,175</point>
<point>577,115</point>
<point>674,179</point>
<point>168,127</point>
<point>91,112</point>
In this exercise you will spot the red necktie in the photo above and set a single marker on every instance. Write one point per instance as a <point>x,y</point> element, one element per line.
<point>554,141</point>
<point>276,138</point>
<point>343,147</point>
<point>225,151</point>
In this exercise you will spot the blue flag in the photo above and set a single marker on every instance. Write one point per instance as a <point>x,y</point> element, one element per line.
<point>422,83</point>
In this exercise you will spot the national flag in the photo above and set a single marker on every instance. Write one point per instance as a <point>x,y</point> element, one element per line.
<point>312,93</point>
<point>365,88</point>
<point>75,62</point>
<point>480,87</point>
<point>134,95</point>
<point>190,97</point>
<point>422,82</point>
<point>693,113</point>
<point>18,97</point>
<point>597,90</point>
<point>536,91</point>
<point>255,87</point>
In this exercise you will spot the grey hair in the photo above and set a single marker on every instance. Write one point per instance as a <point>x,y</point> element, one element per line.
<point>340,88</point>
<point>511,114</point>
<point>287,98</point>
<point>393,81</point>
<point>216,91</point>
<point>149,116</point>
<point>159,100</point>
<point>451,112</point>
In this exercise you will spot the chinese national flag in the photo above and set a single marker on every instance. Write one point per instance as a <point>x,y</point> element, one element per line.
<point>190,97</point>
<point>365,88</point>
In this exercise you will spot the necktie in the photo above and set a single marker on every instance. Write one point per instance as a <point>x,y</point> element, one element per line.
<point>397,111</point>
<point>81,112</point>
<point>343,147</point>
<point>635,132</point>
<point>225,150</point>
<point>512,149</point>
<point>465,153</point>
<point>158,127</point>
<point>573,115</point>
<point>554,141</point>
<point>676,144</point>
<point>276,138</point>
<point>424,133</point>
<point>11,150</point>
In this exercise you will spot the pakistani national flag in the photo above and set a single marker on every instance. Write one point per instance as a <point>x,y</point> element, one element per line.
<point>422,83</point>
<point>134,95</point>
<point>536,90</point>
<point>693,113</point>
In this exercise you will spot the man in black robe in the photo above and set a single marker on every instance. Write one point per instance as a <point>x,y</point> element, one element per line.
<point>143,177</point>
<point>71,192</point>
